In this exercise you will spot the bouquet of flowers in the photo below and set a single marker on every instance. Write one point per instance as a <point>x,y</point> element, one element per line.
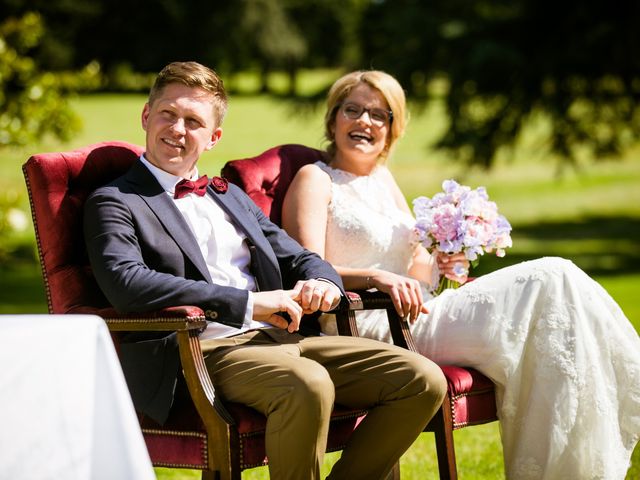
<point>460,219</point>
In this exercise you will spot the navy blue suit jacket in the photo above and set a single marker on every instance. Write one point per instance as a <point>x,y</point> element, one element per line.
<point>144,257</point>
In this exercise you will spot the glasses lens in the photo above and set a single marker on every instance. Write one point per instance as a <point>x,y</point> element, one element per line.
<point>352,110</point>
<point>379,116</point>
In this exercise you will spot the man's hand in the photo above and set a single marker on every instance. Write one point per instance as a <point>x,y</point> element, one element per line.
<point>307,296</point>
<point>267,305</point>
<point>314,295</point>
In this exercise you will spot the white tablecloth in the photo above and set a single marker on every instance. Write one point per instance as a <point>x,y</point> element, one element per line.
<point>65,411</point>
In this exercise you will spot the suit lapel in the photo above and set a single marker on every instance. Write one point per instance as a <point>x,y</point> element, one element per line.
<point>145,184</point>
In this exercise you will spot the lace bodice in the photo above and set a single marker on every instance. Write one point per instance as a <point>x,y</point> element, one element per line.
<point>365,228</point>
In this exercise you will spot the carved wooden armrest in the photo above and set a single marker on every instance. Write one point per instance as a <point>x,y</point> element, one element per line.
<point>178,318</point>
<point>373,300</point>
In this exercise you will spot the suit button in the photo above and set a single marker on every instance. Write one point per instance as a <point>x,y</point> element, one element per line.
<point>212,314</point>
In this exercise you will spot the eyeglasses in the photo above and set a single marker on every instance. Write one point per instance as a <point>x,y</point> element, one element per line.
<point>378,116</point>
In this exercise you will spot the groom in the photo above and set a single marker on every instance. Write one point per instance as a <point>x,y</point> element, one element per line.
<point>161,236</point>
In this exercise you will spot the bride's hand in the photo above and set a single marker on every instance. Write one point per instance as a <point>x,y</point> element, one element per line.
<point>405,293</point>
<point>451,265</point>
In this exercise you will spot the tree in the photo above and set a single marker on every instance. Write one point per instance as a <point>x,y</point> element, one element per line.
<point>331,30</point>
<point>32,101</point>
<point>128,37</point>
<point>503,62</point>
<point>273,38</point>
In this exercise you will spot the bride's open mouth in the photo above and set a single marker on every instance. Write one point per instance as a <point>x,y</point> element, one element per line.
<point>361,137</point>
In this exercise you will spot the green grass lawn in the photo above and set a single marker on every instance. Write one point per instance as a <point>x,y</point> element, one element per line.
<point>591,215</point>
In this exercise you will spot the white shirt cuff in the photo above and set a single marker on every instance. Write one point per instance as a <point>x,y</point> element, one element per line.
<point>248,314</point>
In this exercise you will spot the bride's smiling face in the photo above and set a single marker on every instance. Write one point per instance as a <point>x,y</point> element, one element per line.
<point>364,136</point>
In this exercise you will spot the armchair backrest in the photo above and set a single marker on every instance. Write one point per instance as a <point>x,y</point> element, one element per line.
<point>266,177</point>
<point>58,185</point>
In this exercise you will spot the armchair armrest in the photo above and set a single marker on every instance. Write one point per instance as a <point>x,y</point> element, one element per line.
<point>179,318</point>
<point>374,300</point>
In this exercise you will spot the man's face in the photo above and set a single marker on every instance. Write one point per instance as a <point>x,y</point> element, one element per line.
<point>180,126</point>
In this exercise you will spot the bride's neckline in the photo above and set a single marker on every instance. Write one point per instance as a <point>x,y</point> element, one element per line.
<point>348,174</point>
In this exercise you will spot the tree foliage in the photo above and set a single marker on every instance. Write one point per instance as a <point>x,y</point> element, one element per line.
<point>571,66</point>
<point>505,62</point>
<point>32,102</point>
<point>272,38</point>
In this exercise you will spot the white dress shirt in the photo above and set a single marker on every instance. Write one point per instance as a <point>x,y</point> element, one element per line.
<point>222,245</point>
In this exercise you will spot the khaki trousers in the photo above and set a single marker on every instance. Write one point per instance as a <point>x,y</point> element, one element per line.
<point>295,380</point>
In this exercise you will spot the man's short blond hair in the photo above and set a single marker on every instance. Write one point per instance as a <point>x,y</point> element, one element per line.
<point>192,74</point>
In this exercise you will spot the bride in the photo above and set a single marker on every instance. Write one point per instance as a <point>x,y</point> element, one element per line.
<point>565,359</point>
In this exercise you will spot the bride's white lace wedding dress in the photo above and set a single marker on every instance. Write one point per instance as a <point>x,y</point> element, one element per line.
<point>565,359</point>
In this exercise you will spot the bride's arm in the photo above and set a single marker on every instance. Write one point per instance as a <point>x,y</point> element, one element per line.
<point>304,210</point>
<point>424,267</point>
<point>304,217</point>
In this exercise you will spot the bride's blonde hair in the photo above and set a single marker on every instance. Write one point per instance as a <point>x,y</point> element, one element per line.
<point>390,89</point>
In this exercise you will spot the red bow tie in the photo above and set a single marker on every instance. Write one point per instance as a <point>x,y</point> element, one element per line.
<point>184,187</point>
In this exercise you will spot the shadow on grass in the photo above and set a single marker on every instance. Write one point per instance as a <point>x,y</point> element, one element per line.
<point>601,246</point>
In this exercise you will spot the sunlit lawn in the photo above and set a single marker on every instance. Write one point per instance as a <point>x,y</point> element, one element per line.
<point>591,216</point>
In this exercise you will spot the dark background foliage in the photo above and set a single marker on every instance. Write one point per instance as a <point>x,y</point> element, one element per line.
<point>497,64</point>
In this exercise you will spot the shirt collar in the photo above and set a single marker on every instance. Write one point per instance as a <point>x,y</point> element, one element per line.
<point>166,180</point>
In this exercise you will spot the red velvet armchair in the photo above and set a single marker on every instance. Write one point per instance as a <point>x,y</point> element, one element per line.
<point>471,396</point>
<point>202,432</point>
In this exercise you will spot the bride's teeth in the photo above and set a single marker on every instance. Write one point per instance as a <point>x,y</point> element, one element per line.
<point>361,136</point>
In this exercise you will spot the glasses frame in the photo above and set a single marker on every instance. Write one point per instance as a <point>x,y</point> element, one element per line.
<point>369,111</point>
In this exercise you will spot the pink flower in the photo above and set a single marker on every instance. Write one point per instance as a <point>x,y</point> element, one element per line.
<point>445,223</point>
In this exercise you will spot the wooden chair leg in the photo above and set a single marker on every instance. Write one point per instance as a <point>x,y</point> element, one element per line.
<point>445,449</point>
<point>209,475</point>
<point>394,474</point>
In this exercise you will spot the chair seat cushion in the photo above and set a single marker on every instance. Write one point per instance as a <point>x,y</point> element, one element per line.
<point>471,396</point>
<point>181,442</point>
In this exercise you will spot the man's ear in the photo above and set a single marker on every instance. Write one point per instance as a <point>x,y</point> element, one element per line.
<point>217,133</point>
<point>145,116</point>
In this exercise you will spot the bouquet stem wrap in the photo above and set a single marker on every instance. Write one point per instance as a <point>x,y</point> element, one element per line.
<point>444,284</point>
